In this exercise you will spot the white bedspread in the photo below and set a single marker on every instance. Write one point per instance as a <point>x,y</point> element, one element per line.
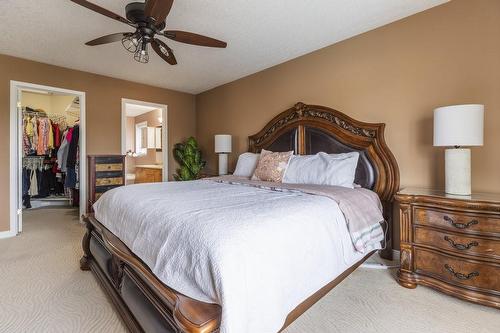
<point>256,252</point>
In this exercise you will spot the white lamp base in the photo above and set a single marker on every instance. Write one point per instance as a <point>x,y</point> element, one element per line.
<point>222,164</point>
<point>458,171</point>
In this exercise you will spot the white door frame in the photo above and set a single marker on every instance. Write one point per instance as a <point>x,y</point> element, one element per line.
<point>15,184</point>
<point>164,130</point>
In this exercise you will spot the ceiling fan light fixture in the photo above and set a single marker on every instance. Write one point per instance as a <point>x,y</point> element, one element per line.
<point>131,43</point>
<point>147,17</point>
<point>142,55</point>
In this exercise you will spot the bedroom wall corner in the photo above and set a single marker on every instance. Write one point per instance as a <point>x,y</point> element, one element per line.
<point>396,74</point>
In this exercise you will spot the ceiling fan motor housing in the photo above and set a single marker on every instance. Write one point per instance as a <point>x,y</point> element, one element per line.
<point>135,13</point>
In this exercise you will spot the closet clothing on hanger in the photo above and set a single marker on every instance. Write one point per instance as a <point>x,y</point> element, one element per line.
<point>26,181</point>
<point>57,135</point>
<point>73,147</point>
<point>62,152</point>
<point>44,129</point>
<point>33,184</point>
<point>50,137</point>
<point>70,178</point>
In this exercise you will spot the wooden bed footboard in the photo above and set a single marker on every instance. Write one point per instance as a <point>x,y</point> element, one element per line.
<point>144,303</point>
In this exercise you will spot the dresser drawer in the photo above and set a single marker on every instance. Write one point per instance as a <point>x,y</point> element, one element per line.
<point>111,159</point>
<point>457,221</point>
<point>109,181</point>
<point>463,244</point>
<point>472,274</point>
<point>109,167</point>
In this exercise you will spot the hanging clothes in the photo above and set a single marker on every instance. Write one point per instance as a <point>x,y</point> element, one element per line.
<point>26,181</point>
<point>34,138</point>
<point>71,162</point>
<point>57,135</point>
<point>26,144</point>
<point>69,136</point>
<point>28,126</point>
<point>71,179</point>
<point>27,134</point>
<point>43,136</point>
<point>62,153</point>
<point>50,136</point>
<point>73,147</point>
<point>33,184</point>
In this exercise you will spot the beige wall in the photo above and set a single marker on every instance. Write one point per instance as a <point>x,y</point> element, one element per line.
<point>60,104</point>
<point>151,118</point>
<point>36,101</point>
<point>103,101</point>
<point>395,74</point>
<point>51,104</point>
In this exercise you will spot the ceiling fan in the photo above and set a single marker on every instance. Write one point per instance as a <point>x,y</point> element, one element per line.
<point>148,20</point>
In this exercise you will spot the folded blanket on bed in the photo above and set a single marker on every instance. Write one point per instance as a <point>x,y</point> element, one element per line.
<point>361,207</point>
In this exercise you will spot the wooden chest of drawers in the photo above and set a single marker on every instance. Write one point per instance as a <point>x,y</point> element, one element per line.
<point>105,172</point>
<point>451,243</point>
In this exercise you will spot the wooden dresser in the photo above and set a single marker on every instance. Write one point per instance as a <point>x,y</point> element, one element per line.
<point>451,243</point>
<point>105,172</point>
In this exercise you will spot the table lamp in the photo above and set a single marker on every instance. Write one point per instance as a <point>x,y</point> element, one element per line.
<point>458,126</point>
<point>223,148</point>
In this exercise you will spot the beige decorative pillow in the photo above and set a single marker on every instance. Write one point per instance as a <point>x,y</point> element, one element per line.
<point>272,166</point>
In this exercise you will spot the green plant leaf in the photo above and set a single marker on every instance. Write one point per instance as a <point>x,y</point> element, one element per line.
<point>188,155</point>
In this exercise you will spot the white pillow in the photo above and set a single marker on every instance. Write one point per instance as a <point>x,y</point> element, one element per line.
<point>323,169</point>
<point>245,167</point>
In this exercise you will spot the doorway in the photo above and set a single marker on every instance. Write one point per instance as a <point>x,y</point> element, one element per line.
<point>144,141</point>
<point>47,152</point>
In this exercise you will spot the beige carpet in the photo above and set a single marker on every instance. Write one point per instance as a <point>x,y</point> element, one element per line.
<point>43,290</point>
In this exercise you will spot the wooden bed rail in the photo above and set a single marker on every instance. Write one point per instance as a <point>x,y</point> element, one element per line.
<point>190,315</point>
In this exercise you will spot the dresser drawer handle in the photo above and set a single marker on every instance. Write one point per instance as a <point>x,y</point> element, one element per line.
<point>461,276</point>
<point>459,225</point>
<point>459,246</point>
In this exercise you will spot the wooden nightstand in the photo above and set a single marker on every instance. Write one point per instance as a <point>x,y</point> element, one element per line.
<point>451,243</point>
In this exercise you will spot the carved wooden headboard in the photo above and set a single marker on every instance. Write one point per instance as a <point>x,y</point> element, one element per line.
<point>309,129</point>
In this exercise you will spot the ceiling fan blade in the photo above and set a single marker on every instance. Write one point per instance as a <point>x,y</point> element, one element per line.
<point>102,11</point>
<point>164,51</point>
<point>108,38</point>
<point>192,38</point>
<point>158,9</point>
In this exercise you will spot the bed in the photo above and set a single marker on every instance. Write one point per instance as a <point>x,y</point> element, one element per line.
<point>254,274</point>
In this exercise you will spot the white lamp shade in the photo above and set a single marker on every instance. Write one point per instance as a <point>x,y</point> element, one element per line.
<point>223,143</point>
<point>459,125</point>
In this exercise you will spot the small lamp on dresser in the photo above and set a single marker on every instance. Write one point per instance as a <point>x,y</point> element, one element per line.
<point>223,148</point>
<point>458,126</point>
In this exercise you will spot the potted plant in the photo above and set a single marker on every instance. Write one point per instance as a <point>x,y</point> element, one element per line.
<point>188,155</point>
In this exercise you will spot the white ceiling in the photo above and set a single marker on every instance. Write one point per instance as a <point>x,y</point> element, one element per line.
<point>134,110</point>
<point>259,33</point>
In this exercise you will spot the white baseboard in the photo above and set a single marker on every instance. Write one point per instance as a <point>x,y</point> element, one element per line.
<point>7,234</point>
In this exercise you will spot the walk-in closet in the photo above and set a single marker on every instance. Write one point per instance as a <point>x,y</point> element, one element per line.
<point>50,150</point>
